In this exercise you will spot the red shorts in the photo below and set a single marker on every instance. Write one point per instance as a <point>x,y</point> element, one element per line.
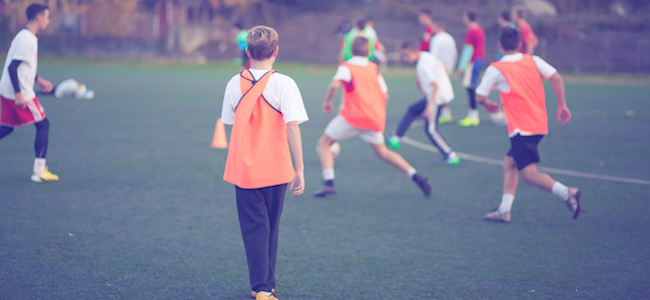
<point>14,116</point>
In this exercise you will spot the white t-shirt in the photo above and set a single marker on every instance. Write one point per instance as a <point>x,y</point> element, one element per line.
<point>24,47</point>
<point>281,92</point>
<point>344,74</point>
<point>493,79</point>
<point>443,46</point>
<point>429,70</point>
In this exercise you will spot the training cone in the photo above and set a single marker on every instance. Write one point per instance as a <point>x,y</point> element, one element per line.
<point>219,139</point>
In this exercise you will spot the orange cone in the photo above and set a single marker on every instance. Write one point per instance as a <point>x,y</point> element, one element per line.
<point>219,139</point>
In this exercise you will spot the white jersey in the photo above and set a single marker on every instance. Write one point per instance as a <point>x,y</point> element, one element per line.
<point>443,46</point>
<point>281,92</point>
<point>429,70</point>
<point>24,47</point>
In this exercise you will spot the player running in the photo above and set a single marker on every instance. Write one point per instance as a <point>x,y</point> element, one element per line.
<point>470,65</point>
<point>517,77</point>
<point>435,84</point>
<point>363,114</point>
<point>19,103</point>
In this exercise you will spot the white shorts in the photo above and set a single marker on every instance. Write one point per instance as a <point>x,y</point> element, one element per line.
<point>339,129</point>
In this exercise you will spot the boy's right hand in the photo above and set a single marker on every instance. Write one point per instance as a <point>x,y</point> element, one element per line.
<point>20,101</point>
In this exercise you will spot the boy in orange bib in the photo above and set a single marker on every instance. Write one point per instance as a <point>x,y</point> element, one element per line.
<point>362,113</point>
<point>265,109</point>
<point>517,77</point>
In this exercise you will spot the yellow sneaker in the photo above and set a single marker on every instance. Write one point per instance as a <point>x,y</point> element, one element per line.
<point>469,122</point>
<point>45,176</point>
<point>445,120</point>
<point>254,293</point>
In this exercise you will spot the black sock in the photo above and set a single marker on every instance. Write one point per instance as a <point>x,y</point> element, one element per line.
<point>472,98</point>
<point>329,182</point>
<point>40,142</point>
<point>5,130</point>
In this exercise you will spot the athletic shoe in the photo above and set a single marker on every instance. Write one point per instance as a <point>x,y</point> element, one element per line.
<point>45,176</point>
<point>496,216</point>
<point>445,120</point>
<point>262,296</point>
<point>469,122</point>
<point>423,182</point>
<point>454,161</point>
<point>393,142</point>
<point>324,191</point>
<point>254,293</point>
<point>573,203</point>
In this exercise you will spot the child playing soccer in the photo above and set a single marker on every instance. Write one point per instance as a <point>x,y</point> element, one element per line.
<point>434,83</point>
<point>363,113</point>
<point>19,103</point>
<point>470,65</point>
<point>265,109</point>
<point>517,77</point>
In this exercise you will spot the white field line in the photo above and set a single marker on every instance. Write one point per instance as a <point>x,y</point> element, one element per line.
<point>498,162</point>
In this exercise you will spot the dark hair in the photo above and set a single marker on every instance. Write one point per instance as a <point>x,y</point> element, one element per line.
<point>410,45</point>
<point>35,9</point>
<point>426,11</point>
<point>360,46</point>
<point>362,23</point>
<point>521,12</point>
<point>509,38</point>
<point>471,15</point>
<point>505,15</point>
<point>439,22</point>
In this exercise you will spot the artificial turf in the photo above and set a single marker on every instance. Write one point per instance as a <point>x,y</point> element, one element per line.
<point>141,211</point>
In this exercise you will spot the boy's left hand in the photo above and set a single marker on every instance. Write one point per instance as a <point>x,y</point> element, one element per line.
<point>563,115</point>
<point>45,84</point>
<point>298,184</point>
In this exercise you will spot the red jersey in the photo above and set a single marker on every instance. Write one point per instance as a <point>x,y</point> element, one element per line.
<point>426,38</point>
<point>476,38</point>
<point>527,36</point>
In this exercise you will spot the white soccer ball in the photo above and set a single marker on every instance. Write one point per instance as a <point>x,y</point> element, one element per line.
<point>335,148</point>
<point>499,118</point>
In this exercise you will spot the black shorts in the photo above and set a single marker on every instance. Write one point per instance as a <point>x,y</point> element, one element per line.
<point>523,149</point>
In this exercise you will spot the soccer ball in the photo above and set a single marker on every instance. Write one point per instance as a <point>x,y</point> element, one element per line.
<point>335,148</point>
<point>499,118</point>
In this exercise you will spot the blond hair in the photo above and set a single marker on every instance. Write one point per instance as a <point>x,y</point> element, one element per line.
<point>360,46</point>
<point>262,41</point>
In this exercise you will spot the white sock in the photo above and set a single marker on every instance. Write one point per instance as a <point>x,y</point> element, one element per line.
<point>39,166</point>
<point>411,172</point>
<point>452,155</point>
<point>473,113</point>
<point>268,294</point>
<point>328,174</point>
<point>446,112</point>
<point>394,136</point>
<point>506,203</point>
<point>561,191</point>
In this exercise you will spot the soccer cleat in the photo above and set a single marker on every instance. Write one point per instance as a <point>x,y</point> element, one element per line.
<point>454,161</point>
<point>393,142</point>
<point>423,182</point>
<point>324,191</point>
<point>45,176</point>
<point>496,216</point>
<point>262,296</point>
<point>573,203</point>
<point>254,293</point>
<point>469,122</point>
<point>445,120</point>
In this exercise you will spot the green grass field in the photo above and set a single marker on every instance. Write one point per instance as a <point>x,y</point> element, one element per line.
<point>141,211</point>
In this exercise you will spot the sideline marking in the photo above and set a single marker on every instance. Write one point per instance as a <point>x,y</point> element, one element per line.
<point>498,162</point>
